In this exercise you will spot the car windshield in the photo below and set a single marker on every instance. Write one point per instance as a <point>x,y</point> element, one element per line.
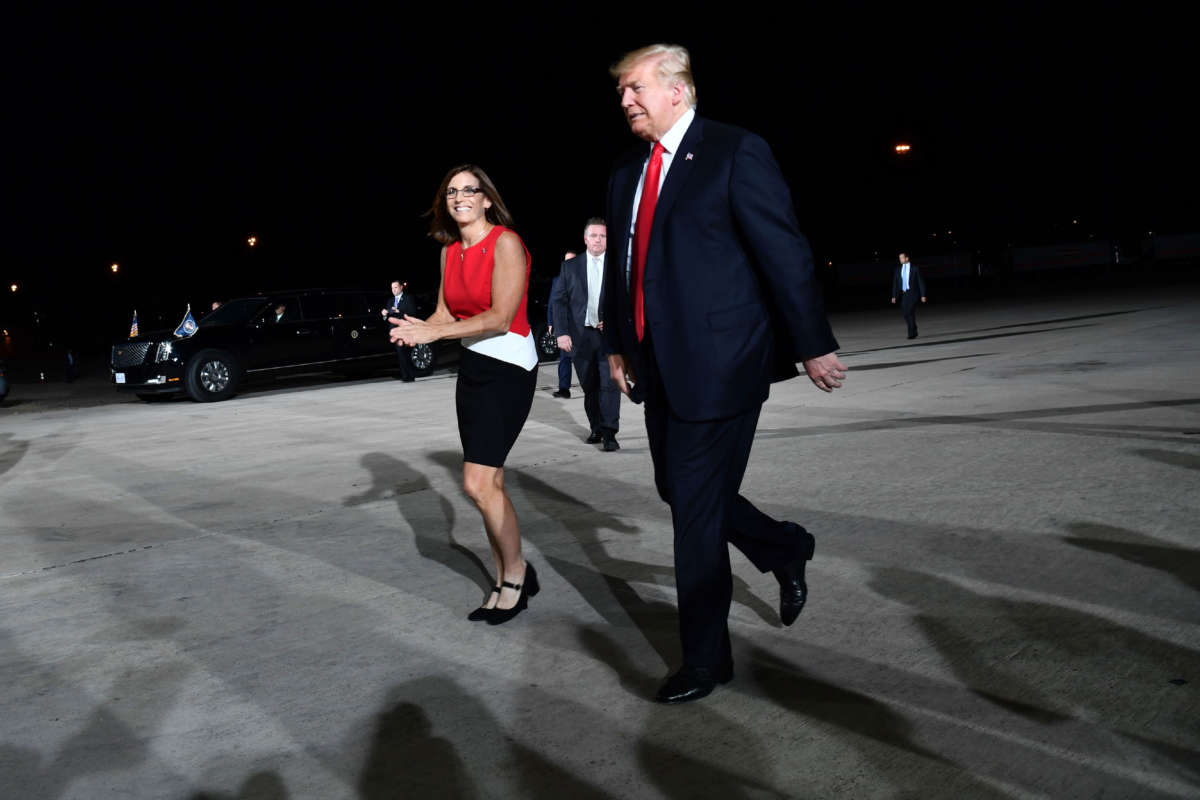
<point>235,312</point>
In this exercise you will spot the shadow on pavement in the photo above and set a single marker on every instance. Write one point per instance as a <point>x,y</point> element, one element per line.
<point>1038,659</point>
<point>12,450</point>
<point>1181,563</point>
<point>434,739</point>
<point>1172,457</point>
<point>413,493</point>
<point>718,758</point>
<point>259,786</point>
<point>1011,420</point>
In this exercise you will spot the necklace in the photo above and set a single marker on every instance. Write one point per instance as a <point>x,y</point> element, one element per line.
<point>480,239</point>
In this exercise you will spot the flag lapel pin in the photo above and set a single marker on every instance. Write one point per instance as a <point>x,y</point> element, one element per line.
<point>688,157</point>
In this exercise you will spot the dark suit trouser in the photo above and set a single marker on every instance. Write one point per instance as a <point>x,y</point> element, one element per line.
<point>564,369</point>
<point>404,357</point>
<point>698,469</point>
<point>601,397</point>
<point>908,306</point>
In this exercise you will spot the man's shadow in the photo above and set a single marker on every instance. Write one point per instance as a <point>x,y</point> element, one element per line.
<point>977,635</point>
<point>866,720</point>
<point>1181,563</point>
<point>429,513</point>
<point>420,747</point>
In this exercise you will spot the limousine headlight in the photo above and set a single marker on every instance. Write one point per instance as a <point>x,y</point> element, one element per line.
<point>164,352</point>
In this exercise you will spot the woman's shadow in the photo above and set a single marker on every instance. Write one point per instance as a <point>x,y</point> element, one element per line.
<point>427,511</point>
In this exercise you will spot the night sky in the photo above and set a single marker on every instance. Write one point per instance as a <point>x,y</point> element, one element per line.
<point>161,137</point>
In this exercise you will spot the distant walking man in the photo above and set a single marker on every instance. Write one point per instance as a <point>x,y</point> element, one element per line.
<point>401,305</point>
<point>576,302</point>
<point>722,300</point>
<point>564,358</point>
<point>907,286</point>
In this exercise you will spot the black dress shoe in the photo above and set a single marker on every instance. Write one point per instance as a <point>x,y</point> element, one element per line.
<point>481,613</point>
<point>499,616</point>
<point>563,393</point>
<point>692,683</point>
<point>610,444</point>
<point>594,437</point>
<point>793,589</point>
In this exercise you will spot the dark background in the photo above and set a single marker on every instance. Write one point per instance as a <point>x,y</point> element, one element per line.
<point>161,137</point>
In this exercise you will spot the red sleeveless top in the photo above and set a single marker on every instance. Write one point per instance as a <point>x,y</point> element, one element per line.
<point>467,280</point>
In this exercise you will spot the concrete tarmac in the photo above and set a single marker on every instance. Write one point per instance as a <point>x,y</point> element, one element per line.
<point>266,598</point>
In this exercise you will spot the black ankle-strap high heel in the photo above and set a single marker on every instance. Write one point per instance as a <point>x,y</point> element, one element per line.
<point>498,616</point>
<point>481,613</point>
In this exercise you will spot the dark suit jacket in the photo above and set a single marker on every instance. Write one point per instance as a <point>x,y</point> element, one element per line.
<point>731,297</point>
<point>569,297</point>
<point>550,302</point>
<point>915,281</point>
<point>407,305</point>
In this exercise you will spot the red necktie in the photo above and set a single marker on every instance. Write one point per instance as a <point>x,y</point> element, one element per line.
<point>641,237</point>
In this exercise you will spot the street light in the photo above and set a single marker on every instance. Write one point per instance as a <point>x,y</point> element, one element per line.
<point>13,287</point>
<point>115,268</point>
<point>903,148</point>
<point>253,240</point>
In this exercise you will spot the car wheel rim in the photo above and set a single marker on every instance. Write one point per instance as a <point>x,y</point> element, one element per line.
<point>422,355</point>
<point>214,376</point>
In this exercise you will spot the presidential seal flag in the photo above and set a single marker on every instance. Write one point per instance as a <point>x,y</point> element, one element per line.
<point>188,326</point>
<point>133,328</point>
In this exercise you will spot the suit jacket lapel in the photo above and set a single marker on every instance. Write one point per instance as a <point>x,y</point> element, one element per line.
<point>681,167</point>
<point>625,189</point>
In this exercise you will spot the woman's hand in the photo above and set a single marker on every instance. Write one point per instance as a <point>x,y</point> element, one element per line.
<point>412,331</point>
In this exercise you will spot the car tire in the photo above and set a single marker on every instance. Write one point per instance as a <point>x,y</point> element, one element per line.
<point>547,345</point>
<point>212,375</point>
<point>423,359</point>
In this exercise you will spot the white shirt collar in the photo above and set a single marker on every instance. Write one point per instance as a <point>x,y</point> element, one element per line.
<point>674,137</point>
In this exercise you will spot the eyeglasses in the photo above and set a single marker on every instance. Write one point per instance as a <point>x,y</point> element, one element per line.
<point>466,191</point>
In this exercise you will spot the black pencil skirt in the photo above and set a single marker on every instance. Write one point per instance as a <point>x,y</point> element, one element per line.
<point>493,399</point>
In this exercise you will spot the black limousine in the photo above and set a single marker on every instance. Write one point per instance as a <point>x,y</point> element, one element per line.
<point>313,330</point>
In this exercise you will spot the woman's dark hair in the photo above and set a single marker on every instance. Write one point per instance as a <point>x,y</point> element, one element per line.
<point>442,227</point>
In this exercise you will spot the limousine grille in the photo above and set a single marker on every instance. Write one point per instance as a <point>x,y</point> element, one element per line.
<point>129,355</point>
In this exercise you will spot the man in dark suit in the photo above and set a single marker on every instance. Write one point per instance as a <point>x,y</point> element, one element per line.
<point>576,302</point>
<point>710,295</point>
<point>907,286</point>
<point>564,358</point>
<point>401,304</point>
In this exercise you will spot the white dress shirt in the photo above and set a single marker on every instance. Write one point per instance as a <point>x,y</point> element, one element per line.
<point>670,142</point>
<point>595,276</point>
<point>904,277</point>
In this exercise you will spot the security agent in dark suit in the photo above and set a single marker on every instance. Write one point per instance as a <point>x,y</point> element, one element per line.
<point>576,304</point>
<point>907,286</point>
<point>721,301</point>
<point>402,304</point>
<point>564,358</point>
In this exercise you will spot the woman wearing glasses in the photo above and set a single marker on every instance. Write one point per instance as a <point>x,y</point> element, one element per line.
<point>485,278</point>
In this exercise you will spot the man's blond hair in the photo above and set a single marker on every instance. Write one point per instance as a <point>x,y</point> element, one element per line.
<point>674,66</point>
